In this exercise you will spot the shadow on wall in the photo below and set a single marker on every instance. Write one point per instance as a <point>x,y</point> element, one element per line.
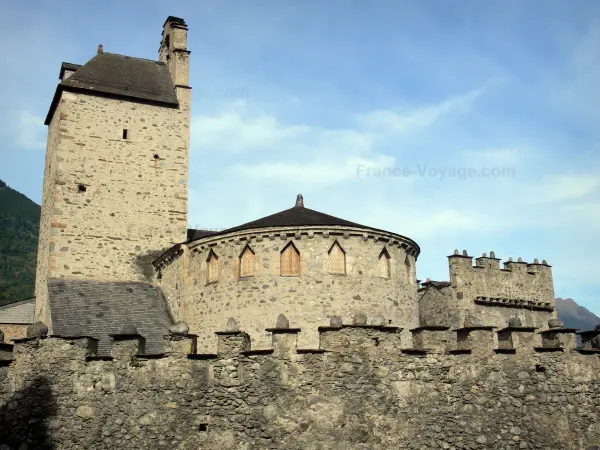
<point>24,417</point>
<point>143,262</point>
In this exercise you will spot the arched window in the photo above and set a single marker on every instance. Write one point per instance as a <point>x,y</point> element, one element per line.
<point>212,268</point>
<point>247,262</point>
<point>408,269</point>
<point>337,259</point>
<point>290,260</point>
<point>384,264</point>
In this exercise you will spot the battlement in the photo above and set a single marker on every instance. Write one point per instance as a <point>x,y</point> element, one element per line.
<point>362,381</point>
<point>493,294</point>
<point>338,338</point>
<point>458,259</point>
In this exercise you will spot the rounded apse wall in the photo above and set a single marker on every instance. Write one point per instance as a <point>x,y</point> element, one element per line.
<point>307,274</point>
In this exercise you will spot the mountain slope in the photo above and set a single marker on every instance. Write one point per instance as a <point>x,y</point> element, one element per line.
<point>575,316</point>
<point>19,228</point>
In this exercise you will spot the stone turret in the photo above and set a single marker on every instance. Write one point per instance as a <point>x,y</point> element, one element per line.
<point>115,182</point>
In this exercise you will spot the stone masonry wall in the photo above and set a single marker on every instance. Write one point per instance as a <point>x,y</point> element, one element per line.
<point>135,200</point>
<point>42,311</point>
<point>494,294</point>
<point>310,299</point>
<point>13,331</point>
<point>499,316</point>
<point>438,307</point>
<point>171,280</point>
<point>359,392</point>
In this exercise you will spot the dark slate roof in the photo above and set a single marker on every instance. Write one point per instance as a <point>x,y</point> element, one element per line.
<point>103,308</point>
<point>297,216</point>
<point>21,312</point>
<point>120,76</point>
<point>68,66</point>
<point>437,284</point>
<point>193,234</point>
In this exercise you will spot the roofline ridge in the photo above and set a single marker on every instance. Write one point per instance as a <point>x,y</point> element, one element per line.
<point>278,229</point>
<point>130,57</point>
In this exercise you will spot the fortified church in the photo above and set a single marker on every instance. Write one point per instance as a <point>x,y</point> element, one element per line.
<point>116,256</point>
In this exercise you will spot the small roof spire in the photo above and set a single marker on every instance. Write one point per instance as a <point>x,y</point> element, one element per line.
<point>299,201</point>
<point>100,49</point>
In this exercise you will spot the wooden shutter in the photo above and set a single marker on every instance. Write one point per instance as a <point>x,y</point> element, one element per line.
<point>337,259</point>
<point>290,260</point>
<point>247,263</point>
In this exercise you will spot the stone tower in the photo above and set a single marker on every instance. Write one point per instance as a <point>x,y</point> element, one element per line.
<point>115,191</point>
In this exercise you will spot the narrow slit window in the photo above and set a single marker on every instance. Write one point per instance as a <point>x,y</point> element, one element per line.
<point>125,133</point>
<point>290,260</point>
<point>337,259</point>
<point>384,264</point>
<point>212,268</point>
<point>247,262</point>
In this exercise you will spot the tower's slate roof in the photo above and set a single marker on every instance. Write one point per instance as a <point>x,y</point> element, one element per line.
<point>19,312</point>
<point>99,309</point>
<point>298,216</point>
<point>116,75</point>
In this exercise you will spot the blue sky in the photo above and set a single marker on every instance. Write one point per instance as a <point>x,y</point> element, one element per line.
<point>317,97</point>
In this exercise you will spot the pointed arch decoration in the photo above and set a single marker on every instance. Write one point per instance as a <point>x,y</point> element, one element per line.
<point>383,265</point>
<point>290,260</point>
<point>247,262</point>
<point>337,259</point>
<point>212,267</point>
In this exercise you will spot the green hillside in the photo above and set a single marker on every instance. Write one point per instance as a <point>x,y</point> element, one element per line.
<point>19,227</point>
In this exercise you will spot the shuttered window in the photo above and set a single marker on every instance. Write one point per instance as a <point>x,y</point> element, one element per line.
<point>290,261</point>
<point>337,259</point>
<point>247,262</point>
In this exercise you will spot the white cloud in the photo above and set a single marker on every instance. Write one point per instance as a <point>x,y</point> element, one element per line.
<point>429,223</point>
<point>565,187</point>
<point>416,119</point>
<point>314,172</point>
<point>236,131</point>
<point>30,131</point>
<point>510,156</point>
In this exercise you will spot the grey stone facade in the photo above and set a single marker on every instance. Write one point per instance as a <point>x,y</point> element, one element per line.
<point>359,391</point>
<point>309,298</point>
<point>489,295</point>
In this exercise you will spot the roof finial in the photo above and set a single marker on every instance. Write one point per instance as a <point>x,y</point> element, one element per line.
<point>100,49</point>
<point>299,201</point>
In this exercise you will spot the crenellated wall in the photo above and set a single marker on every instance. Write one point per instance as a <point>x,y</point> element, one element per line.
<point>494,294</point>
<point>360,390</point>
<point>309,298</point>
